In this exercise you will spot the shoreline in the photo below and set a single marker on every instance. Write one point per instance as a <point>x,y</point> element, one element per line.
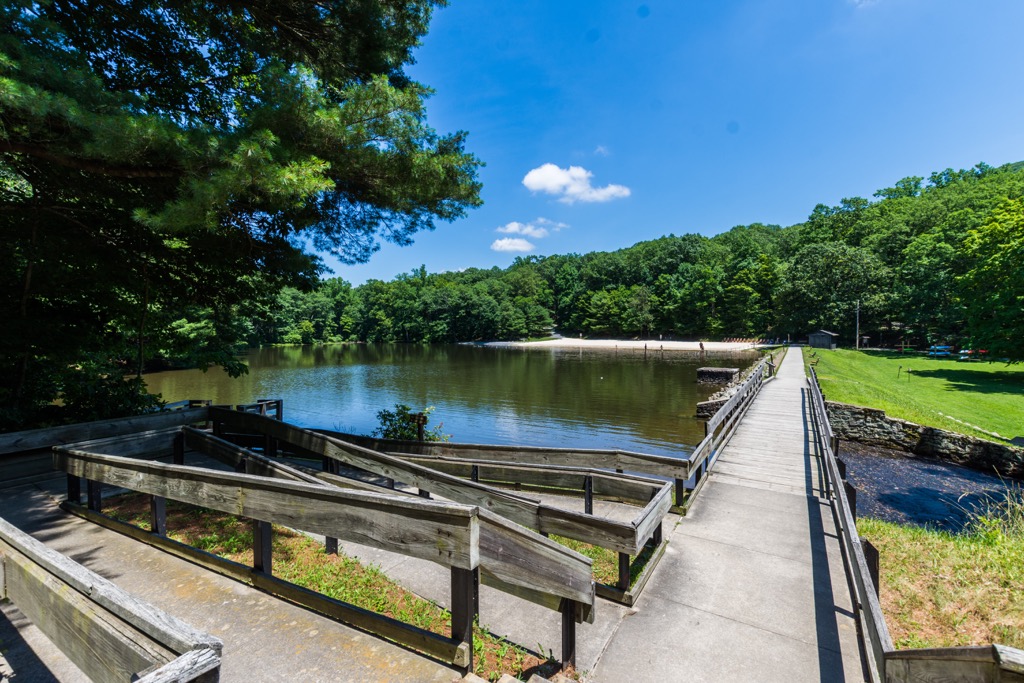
<point>649,344</point>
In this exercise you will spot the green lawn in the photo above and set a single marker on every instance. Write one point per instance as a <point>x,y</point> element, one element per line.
<point>966,397</point>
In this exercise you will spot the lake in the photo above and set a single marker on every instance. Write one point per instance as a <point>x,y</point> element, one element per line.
<point>625,399</point>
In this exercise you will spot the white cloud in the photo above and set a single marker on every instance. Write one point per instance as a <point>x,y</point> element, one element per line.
<point>528,229</point>
<point>601,151</point>
<point>554,225</point>
<point>572,184</point>
<point>512,244</point>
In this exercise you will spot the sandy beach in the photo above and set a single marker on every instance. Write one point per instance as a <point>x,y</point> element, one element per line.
<point>651,345</point>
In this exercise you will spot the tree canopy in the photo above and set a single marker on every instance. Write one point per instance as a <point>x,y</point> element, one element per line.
<point>925,262</point>
<point>167,167</point>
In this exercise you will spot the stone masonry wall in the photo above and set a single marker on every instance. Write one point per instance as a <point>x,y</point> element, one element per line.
<point>874,427</point>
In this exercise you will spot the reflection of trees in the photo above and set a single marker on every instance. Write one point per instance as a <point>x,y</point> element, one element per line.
<point>655,396</point>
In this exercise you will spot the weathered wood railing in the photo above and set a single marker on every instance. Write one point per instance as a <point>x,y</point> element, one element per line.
<point>981,664</point>
<point>718,430</point>
<point>622,537</point>
<point>473,542</point>
<point>104,631</point>
<point>26,455</point>
<point>652,496</point>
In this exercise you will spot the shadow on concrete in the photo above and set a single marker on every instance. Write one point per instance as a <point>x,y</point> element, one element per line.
<point>830,667</point>
<point>18,660</point>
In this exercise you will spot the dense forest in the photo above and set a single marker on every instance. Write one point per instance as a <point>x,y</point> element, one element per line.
<point>171,173</point>
<point>936,261</point>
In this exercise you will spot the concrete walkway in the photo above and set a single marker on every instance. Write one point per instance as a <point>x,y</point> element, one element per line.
<point>752,587</point>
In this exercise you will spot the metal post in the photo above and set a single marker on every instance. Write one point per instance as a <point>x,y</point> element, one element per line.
<point>568,610</point>
<point>262,546</point>
<point>588,494</point>
<point>465,606</point>
<point>158,515</point>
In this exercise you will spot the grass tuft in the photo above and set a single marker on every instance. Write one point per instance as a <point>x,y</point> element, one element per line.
<point>948,590</point>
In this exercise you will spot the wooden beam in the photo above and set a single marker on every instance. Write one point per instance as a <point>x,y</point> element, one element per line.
<point>54,436</point>
<point>102,646</point>
<point>446,533</point>
<point>162,627</point>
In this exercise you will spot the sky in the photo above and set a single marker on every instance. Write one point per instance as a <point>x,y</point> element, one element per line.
<point>603,123</point>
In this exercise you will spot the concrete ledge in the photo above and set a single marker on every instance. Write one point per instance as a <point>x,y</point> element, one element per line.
<point>716,375</point>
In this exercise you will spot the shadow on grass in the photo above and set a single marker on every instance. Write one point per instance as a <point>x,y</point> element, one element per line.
<point>977,380</point>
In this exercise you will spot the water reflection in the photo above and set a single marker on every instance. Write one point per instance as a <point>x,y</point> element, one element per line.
<point>588,399</point>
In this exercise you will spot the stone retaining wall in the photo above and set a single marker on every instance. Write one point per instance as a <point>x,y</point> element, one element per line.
<point>874,427</point>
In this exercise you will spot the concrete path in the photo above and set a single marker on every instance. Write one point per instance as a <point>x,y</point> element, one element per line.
<point>752,586</point>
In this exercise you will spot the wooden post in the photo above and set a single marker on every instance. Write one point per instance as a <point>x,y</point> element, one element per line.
<point>842,469</point>
<point>158,515</point>
<point>330,545</point>
<point>74,489</point>
<point>872,558</point>
<point>389,483</point>
<point>465,605</point>
<point>657,536</point>
<point>851,497</point>
<point>262,547</point>
<point>474,473</point>
<point>588,495</point>
<point>568,610</point>
<point>424,494</point>
<point>680,492</point>
<point>94,495</point>
<point>623,583</point>
<point>179,449</point>
<point>269,446</point>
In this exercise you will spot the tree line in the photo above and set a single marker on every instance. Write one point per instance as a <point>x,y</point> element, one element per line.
<point>170,173</point>
<point>925,261</point>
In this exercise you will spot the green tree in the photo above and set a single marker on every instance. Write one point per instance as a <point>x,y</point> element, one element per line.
<point>202,148</point>
<point>993,287</point>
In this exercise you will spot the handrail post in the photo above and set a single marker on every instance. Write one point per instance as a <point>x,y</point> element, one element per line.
<point>465,607</point>
<point>568,610</point>
<point>74,489</point>
<point>158,515</point>
<point>262,546</point>
<point>588,495</point>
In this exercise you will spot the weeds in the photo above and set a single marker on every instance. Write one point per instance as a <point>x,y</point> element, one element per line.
<point>943,590</point>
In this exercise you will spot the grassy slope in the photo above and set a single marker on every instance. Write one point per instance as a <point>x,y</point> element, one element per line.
<point>985,395</point>
<point>945,590</point>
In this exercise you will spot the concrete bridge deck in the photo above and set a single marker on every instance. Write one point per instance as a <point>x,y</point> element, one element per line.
<point>751,588</point>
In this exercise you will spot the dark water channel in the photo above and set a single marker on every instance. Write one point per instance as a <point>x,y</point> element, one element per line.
<point>897,487</point>
<point>544,397</point>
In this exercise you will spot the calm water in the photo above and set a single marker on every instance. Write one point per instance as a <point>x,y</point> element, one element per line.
<point>565,398</point>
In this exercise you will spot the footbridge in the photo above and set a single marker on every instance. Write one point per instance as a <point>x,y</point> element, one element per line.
<point>737,561</point>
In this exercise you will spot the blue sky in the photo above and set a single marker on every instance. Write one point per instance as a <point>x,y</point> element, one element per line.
<point>632,120</point>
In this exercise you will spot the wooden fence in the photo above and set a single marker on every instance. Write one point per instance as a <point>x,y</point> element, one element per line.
<point>473,542</point>
<point>628,538</point>
<point>982,664</point>
<point>641,535</point>
<point>104,631</point>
